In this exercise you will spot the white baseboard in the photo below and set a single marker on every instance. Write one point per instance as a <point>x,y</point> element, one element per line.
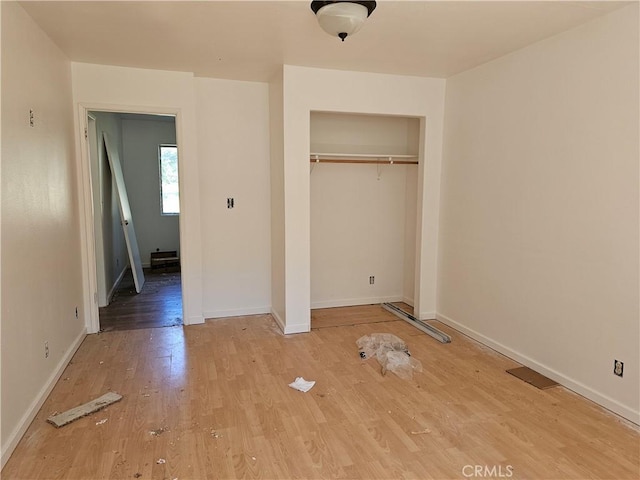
<point>194,320</point>
<point>237,312</point>
<point>352,302</point>
<point>574,385</point>
<point>289,329</point>
<point>115,285</point>
<point>408,301</point>
<point>278,320</point>
<point>32,410</point>
<point>427,316</point>
<point>301,328</point>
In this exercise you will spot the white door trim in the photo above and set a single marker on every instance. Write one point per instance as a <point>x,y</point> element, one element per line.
<point>85,198</point>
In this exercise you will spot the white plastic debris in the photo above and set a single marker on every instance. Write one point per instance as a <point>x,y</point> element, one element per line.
<point>370,345</point>
<point>101,422</point>
<point>160,461</point>
<point>302,384</point>
<point>391,352</point>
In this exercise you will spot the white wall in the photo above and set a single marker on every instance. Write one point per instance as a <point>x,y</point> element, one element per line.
<point>348,133</point>
<point>41,269</point>
<point>410,215</point>
<point>310,89</point>
<point>357,230</point>
<point>276,137</point>
<point>359,212</point>
<point>141,138</point>
<point>539,223</point>
<point>120,89</point>
<point>233,143</point>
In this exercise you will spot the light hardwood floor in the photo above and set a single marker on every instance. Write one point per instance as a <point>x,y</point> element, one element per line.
<point>213,401</point>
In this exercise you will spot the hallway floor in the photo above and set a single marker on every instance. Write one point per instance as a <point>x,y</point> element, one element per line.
<point>159,304</point>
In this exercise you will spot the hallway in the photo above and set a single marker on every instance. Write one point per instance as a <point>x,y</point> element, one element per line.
<point>159,304</point>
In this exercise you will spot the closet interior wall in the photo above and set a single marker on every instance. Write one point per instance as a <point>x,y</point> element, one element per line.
<point>363,215</point>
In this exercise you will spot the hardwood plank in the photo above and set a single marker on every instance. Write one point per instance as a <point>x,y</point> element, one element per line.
<point>231,376</point>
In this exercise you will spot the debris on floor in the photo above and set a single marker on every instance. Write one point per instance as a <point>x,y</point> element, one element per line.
<point>532,377</point>
<point>158,431</point>
<point>391,352</point>
<point>69,416</point>
<point>302,384</point>
<point>160,461</point>
<point>421,432</point>
<point>369,345</point>
<point>102,422</point>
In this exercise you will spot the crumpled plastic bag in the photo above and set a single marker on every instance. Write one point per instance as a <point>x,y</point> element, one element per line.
<point>399,363</point>
<point>370,344</point>
<point>391,352</point>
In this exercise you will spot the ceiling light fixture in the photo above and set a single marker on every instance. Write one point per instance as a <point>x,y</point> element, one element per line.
<point>342,18</point>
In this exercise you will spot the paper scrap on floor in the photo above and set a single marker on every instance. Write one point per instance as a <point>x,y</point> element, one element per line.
<point>302,384</point>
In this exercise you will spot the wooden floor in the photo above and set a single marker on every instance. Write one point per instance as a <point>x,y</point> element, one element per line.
<point>212,401</point>
<point>159,304</point>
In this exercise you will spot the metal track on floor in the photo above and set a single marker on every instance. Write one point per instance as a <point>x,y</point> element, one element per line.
<point>419,324</point>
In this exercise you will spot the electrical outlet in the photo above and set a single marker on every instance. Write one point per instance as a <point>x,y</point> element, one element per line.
<point>46,349</point>
<point>372,280</point>
<point>618,368</point>
<point>230,202</point>
<point>76,312</point>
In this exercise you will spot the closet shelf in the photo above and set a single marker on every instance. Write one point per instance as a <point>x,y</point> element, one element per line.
<point>316,157</point>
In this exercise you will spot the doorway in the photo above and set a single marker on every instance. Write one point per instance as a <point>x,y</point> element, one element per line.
<point>145,146</point>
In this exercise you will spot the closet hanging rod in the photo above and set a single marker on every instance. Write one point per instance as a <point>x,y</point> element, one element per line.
<point>363,158</point>
<point>362,155</point>
<point>351,160</point>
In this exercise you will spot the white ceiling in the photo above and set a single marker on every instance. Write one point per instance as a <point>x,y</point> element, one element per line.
<point>249,40</point>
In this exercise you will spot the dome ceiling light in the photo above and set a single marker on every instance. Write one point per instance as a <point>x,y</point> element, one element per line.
<point>342,18</point>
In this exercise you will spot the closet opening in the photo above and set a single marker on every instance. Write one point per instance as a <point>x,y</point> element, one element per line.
<point>363,188</point>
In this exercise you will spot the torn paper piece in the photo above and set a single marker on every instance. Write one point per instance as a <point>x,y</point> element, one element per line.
<point>101,422</point>
<point>302,384</point>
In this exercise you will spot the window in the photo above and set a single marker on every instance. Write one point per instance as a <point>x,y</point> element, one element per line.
<point>169,190</point>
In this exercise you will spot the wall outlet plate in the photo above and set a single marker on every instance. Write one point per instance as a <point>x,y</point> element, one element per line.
<point>618,368</point>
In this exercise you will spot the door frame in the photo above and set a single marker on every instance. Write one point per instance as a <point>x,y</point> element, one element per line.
<point>96,188</point>
<point>86,211</point>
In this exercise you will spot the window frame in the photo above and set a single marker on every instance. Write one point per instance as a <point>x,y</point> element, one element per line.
<point>160,147</point>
